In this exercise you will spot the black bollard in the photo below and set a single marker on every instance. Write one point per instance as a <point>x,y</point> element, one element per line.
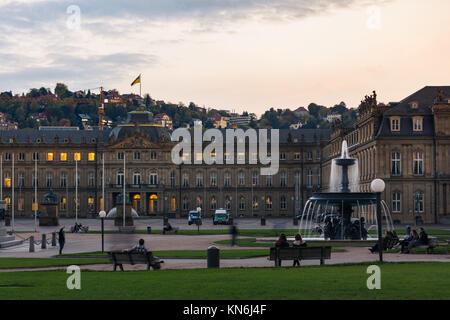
<point>295,221</point>
<point>31,244</point>
<point>165,220</point>
<point>53,239</point>
<point>263,221</point>
<point>44,241</point>
<point>213,257</point>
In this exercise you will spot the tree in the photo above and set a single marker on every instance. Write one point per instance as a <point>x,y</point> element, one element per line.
<point>62,91</point>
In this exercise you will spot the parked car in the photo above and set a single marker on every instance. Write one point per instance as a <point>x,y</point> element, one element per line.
<point>221,216</point>
<point>194,217</point>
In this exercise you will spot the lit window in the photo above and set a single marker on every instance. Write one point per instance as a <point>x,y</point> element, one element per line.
<point>199,156</point>
<point>8,181</point>
<point>50,156</point>
<point>91,156</point>
<point>63,156</point>
<point>77,156</point>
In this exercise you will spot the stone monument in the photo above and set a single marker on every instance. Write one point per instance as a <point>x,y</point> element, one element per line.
<point>118,221</point>
<point>49,204</point>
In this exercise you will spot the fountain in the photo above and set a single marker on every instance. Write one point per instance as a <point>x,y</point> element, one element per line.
<point>344,213</point>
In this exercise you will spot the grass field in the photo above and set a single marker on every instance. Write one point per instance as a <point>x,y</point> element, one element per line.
<point>14,263</point>
<point>346,282</point>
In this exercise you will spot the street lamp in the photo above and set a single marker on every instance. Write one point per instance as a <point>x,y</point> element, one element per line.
<point>102,215</point>
<point>378,187</point>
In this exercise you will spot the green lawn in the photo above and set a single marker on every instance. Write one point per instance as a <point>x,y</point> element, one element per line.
<point>14,263</point>
<point>345,282</point>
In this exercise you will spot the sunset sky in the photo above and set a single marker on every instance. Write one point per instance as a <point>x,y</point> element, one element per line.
<point>247,55</point>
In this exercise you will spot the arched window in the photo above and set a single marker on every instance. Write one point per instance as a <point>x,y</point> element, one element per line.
<point>283,204</point>
<point>153,178</point>
<point>199,202</point>
<point>269,203</point>
<point>185,180</point>
<point>283,179</point>
<point>213,179</point>
<point>242,203</point>
<point>228,202</point>
<point>91,204</point>
<point>199,180</point>
<point>173,204</point>
<point>136,178</point>
<point>241,178</point>
<point>227,180</point>
<point>419,201</point>
<point>185,203</point>
<point>120,178</point>
<point>255,202</point>
<point>213,203</point>
<point>172,179</point>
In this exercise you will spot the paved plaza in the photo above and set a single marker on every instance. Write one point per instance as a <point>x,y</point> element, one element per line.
<point>78,243</point>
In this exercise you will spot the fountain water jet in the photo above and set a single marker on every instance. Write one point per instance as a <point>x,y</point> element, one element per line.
<point>344,213</point>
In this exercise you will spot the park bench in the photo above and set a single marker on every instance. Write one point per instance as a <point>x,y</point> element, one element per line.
<point>118,259</point>
<point>300,253</point>
<point>432,243</point>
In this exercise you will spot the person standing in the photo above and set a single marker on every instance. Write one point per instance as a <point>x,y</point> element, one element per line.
<point>61,239</point>
<point>234,233</point>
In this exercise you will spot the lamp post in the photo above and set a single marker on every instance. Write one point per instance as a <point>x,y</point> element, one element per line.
<point>102,215</point>
<point>378,187</point>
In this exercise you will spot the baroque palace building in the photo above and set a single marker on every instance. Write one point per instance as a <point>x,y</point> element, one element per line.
<point>154,184</point>
<point>407,144</point>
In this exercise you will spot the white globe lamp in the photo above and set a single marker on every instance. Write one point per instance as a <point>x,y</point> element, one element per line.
<point>377,185</point>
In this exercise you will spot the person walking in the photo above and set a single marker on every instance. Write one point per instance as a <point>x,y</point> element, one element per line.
<point>61,239</point>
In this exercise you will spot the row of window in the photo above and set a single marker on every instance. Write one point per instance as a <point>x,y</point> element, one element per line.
<point>266,203</point>
<point>396,163</point>
<point>416,121</point>
<point>419,202</point>
<point>62,203</point>
<point>50,156</point>
<point>153,179</point>
<point>254,156</point>
<point>242,181</point>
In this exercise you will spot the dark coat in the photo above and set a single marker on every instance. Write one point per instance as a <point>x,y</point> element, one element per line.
<point>61,236</point>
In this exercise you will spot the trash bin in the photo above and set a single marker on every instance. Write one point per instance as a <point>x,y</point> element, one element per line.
<point>213,257</point>
<point>295,221</point>
<point>165,220</point>
<point>149,230</point>
<point>263,221</point>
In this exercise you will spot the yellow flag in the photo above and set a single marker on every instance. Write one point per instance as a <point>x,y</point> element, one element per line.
<point>138,80</point>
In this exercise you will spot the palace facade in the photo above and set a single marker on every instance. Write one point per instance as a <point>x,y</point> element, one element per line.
<point>155,185</point>
<point>407,144</point>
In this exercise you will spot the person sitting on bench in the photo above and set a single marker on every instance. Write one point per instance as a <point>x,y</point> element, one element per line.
<point>167,228</point>
<point>411,241</point>
<point>138,249</point>
<point>422,240</point>
<point>386,239</point>
<point>281,243</point>
<point>298,243</point>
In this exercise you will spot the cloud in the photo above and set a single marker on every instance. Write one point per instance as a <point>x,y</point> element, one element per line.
<point>37,46</point>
